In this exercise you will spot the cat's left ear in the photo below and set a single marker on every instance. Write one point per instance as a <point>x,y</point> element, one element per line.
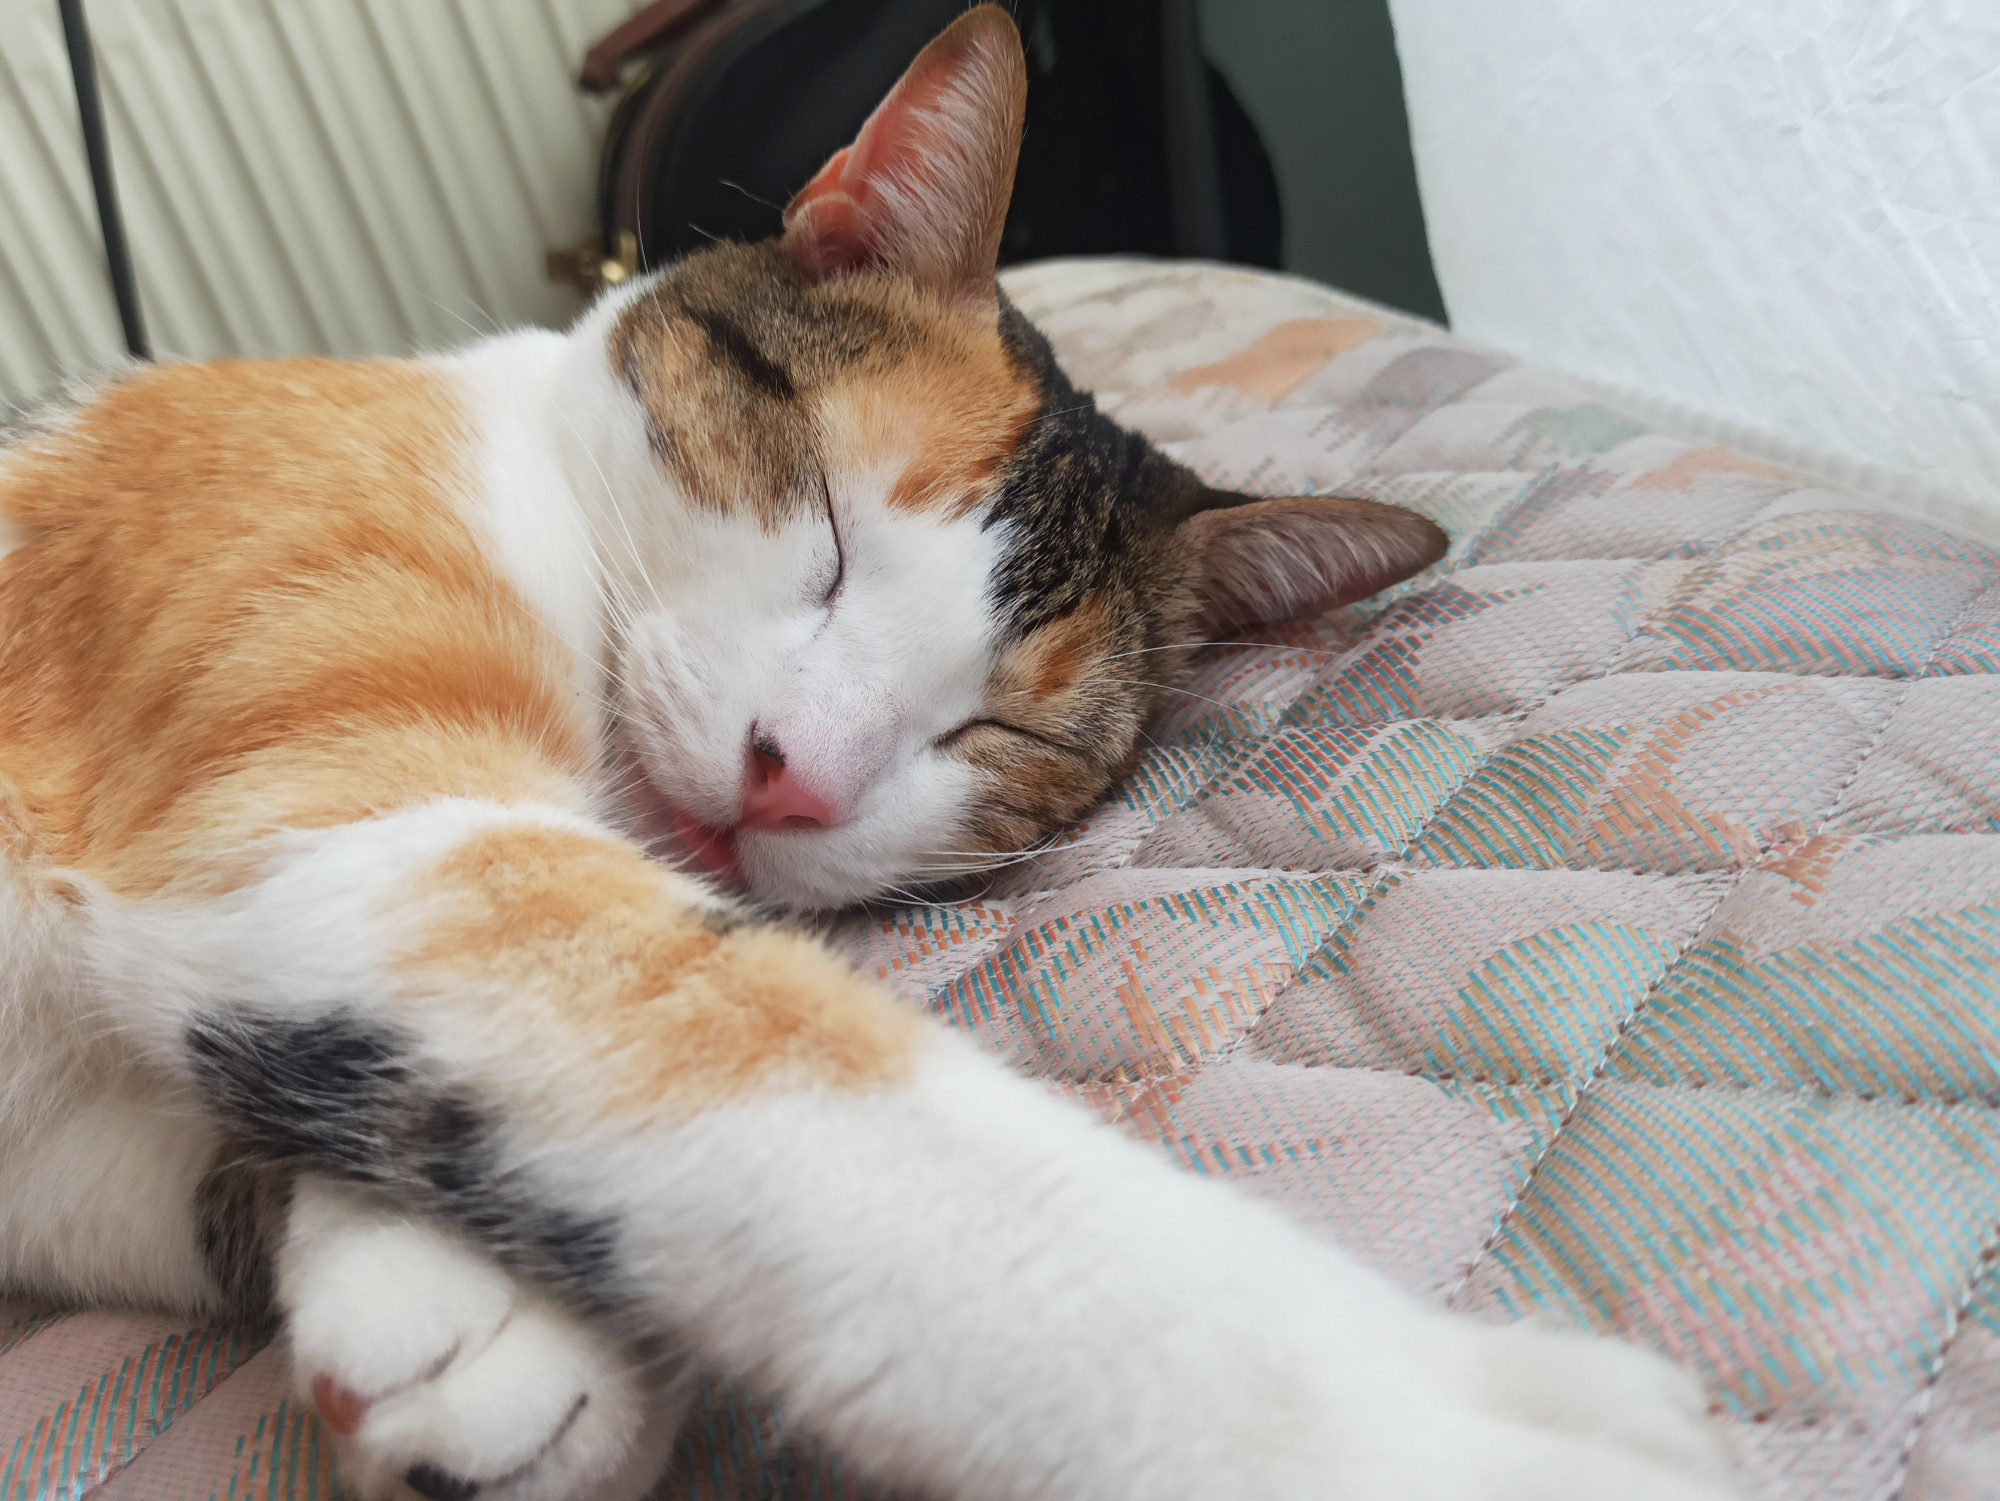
<point>1259,562</point>
<point>924,187</point>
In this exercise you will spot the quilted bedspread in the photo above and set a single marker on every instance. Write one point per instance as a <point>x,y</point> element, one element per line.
<point>1606,923</point>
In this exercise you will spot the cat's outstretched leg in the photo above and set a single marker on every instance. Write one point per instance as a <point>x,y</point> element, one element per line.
<point>440,1375</point>
<point>682,1124</point>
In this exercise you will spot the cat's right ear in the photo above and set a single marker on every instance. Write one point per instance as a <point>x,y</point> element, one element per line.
<point>923,189</point>
<point>1265,561</point>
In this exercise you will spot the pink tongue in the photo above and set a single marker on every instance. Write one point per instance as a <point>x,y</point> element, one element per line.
<point>714,850</point>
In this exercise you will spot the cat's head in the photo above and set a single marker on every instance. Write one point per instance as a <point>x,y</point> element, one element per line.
<point>901,605</point>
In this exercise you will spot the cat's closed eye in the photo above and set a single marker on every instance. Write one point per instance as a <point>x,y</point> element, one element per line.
<point>829,567</point>
<point>829,573</point>
<point>954,737</point>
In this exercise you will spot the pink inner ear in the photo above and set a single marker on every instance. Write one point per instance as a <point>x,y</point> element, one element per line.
<point>823,222</point>
<point>924,186</point>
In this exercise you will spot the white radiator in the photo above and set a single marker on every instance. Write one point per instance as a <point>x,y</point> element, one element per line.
<point>56,312</point>
<point>340,176</point>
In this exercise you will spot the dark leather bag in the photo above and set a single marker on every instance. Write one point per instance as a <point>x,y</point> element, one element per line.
<point>1134,143</point>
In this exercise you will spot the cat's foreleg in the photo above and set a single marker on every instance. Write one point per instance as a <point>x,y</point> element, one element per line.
<point>687,1127</point>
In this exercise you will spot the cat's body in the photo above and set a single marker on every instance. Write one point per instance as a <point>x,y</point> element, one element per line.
<point>339,707</point>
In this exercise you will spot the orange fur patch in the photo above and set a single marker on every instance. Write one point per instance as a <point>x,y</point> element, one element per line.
<point>750,406</point>
<point>1049,683</point>
<point>688,1011</point>
<point>945,419</point>
<point>246,601</point>
<point>729,446</point>
<point>1052,660</point>
<point>245,597</point>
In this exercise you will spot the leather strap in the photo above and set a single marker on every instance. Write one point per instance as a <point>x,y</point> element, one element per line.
<point>645,29</point>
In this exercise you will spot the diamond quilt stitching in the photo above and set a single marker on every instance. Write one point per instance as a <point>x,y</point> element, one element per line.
<point>1606,924</point>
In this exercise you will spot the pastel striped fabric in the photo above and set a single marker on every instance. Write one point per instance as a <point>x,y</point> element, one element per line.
<point>1605,925</point>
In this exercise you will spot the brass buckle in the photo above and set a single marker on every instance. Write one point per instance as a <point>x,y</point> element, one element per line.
<point>587,268</point>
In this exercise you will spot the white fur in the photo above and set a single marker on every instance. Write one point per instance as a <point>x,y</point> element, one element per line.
<point>963,1283</point>
<point>462,1367</point>
<point>689,625</point>
<point>97,1169</point>
<point>856,695</point>
<point>524,500</point>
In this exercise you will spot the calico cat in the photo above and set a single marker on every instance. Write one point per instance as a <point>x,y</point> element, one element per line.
<point>340,705</point>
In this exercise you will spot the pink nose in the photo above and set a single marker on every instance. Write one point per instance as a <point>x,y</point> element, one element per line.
<point>774,798</point>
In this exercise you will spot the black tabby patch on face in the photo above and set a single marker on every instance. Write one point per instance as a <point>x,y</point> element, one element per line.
<point>1074,497</point>
<point>757,381</point>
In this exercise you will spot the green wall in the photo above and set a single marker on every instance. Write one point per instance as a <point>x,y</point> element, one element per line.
<point>1320,79</point>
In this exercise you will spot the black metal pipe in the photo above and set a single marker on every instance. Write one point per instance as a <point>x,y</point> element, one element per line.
<point>97,151</point>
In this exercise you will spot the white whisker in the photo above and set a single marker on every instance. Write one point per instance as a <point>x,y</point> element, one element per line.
<point>1279,646</point>
<point>1169,688</point>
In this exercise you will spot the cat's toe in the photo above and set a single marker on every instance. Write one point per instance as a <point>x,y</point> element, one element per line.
<point>376,1303</point>
<point>543,1411</point>
<point>439,1376</point>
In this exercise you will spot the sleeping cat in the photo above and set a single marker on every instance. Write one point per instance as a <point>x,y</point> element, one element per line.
<point>340,705</point>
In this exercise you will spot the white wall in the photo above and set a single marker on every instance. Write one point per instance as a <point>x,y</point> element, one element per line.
<point>1783,212</point>
<point>1319,80</point>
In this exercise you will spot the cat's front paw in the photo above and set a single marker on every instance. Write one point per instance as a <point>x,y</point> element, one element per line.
<point>1605,1392</point>
<point>1529,1411</point>
<point>440,1376</point>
